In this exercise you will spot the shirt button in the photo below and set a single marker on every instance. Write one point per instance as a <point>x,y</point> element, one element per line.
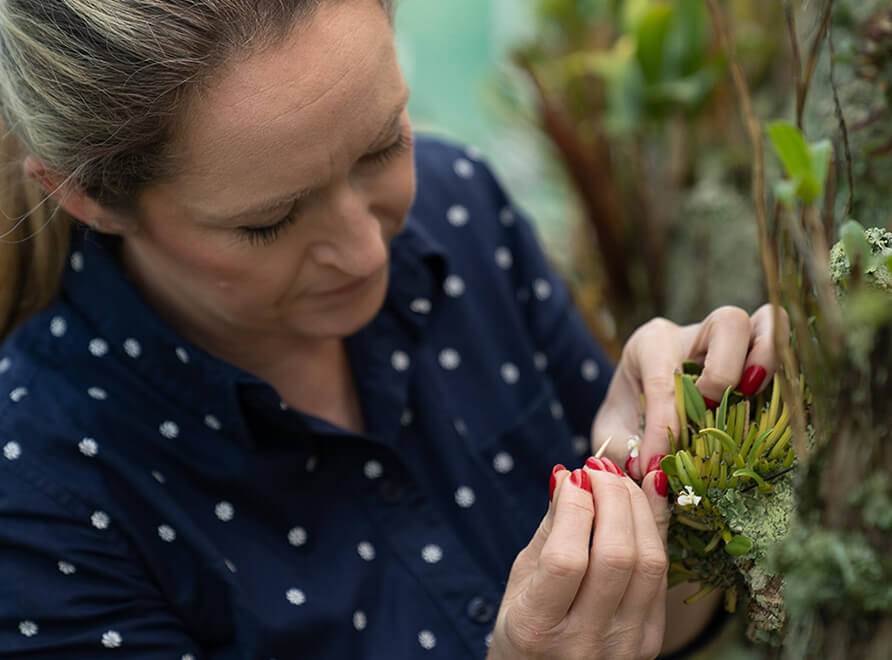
<point>391,492</point>
<point>480,610</point>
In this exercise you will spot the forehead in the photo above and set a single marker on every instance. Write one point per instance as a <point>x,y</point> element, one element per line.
<point>297,107</point>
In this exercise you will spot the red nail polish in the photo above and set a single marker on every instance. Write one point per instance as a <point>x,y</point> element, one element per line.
<point>553,481</point>
<point>631,464</point>
<point>751,380</point>
<point>594,463</point>
<point>660,483</point>
<point>580,479</point>
<point>712,405</point>
<point>654,463</point>
<point>610,466</point>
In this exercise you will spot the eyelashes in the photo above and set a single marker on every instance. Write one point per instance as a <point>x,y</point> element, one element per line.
<point>268,234</point>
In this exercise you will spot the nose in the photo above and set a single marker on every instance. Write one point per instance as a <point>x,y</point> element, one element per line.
<point>352,240</point>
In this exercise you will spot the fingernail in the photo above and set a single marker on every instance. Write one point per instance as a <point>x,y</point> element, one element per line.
<point>580,479</point>
<point>712,405</point>
<point>654,463</point>
<point>610,466</point>
<point>553,481</point>
<point>751,380</point>
<point>660,483</point>
<point>632,465</point>
<point>594,463</point>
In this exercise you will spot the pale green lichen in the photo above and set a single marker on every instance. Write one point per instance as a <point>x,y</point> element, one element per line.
<point>876,274</point>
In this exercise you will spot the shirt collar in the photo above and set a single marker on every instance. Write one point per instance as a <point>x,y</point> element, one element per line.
<point>99,291</point>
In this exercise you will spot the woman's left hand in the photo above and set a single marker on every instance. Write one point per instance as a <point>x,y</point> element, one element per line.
<point>733,347</point>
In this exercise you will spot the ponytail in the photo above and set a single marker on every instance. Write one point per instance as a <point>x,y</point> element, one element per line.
<point>34,239</point>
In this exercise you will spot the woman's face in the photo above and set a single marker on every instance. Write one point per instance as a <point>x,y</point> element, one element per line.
<point>299,173</point>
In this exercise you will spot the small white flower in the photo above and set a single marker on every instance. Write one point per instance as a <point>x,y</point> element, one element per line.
<point>18,394</point>
<point>212,422</point>
<point>504,258</point>
<point>458,216</point>
<point>427,639</point>
<point>688,498</point>
<point>224,511</point>
<point>169,430</point>
<point>98,347</point>
<point>297,536</point>
<point>464,168</point>
<point>590,370</point>
<point>167,533</point>
<point>58,326</point>
<point>296,597</point>
<point>100,519</point>
<point>5,364</point>
<point>97,393</point>
<point>420,306</point>
<point>400,360</point>
<point>28,628</point>
<point>450,359</point>
<point>542,289</point>
<point>132,348</point>
<point>66,568</point>
<point>454,286</point>
<point>510,373</point>
<point>506,217</point>
<point>359,620</point>
<point>111,639</point>
<point>503,462</point>
<point>77,262</point>
<point>12,451</point>
<point>372,469</point>
<point>634,445</point>
<point>465,497</point>
<point>432,553</point>
<point>366,550</point>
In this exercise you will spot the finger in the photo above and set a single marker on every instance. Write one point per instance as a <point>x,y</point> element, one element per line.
<point>563,559</point>
<point>614,550</point>
<point>722,342</point>
<point>762,354</point>
<point>654,489</point>
<point>643,605</point>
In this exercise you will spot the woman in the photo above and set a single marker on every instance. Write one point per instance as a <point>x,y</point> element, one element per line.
<point>266,401</point>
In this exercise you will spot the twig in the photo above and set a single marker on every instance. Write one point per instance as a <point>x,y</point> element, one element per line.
<point>815,52</point>
<point>797,61</point>
<point>842,123</point>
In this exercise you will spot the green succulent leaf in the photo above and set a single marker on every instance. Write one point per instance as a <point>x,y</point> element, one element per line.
<point>739,545</point>
<point>694,404</point>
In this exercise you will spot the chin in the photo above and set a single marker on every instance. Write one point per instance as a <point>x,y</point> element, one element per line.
<point>349,317</point>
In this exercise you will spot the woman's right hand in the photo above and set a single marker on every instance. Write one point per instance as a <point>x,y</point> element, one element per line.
<point>564,600</point>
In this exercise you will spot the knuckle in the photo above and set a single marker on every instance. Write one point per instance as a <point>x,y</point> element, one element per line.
<point>617,559</point>
<point>653,564</point>
<point>732,315</point>
<point>563,565</point>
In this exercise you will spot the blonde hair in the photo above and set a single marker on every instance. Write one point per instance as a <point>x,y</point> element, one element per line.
<point>95,90</point>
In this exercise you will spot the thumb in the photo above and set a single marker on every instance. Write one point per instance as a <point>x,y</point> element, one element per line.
<point>655,487</point>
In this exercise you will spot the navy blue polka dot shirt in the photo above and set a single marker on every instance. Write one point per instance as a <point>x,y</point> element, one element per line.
<point>156,502</point>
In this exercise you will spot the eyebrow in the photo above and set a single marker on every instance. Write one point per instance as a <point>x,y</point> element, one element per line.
<point>269,205</point>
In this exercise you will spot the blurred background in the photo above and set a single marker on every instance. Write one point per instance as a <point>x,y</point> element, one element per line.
<point>614,125</point>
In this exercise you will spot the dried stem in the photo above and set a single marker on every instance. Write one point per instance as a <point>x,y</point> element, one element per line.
<point>813,56</point>
<point>797,61</point>
<point>782,347</point>
<point>843,129</point>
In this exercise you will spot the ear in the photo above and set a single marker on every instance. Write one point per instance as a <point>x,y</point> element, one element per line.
<point>72,198</point>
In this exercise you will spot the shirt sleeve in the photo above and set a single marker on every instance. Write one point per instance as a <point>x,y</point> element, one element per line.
<point>70,587</point>
<point>575,362</point>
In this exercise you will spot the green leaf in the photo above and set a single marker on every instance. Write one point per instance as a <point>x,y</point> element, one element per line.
<point>694,404</point>
<point>739,545</point>
<point>819,154</point>
<point>855,243</point>
<point>791,148</point>
<point>728,443</point>
<point>651,37</point>
<point>693,474</point>
<point>743,472</point>
<point>668,465</point>
<point>785,191</point>
<point>722,413</point>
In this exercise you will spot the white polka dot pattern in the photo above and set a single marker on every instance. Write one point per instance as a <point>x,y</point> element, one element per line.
<point>503,462</point>
<point>182,355</point>
<point>230,566</point>
<point>158,476</point>
<point>295,597</point>
<point>18,394</point>
<point>557,410</point>
<point>312,464</point>
<point>77,262</point>
<point>360,621</point>
<point>427,639</point>
<point>406,418</point>
<point>167,533</point>
<point>297,536</point>
<point>432,553</point>
<point>100,520</point>
<point>420,306</point>
<point>506,217</point>
<point>581,445</point>
<point>66,568</point>
<point>590,370</point>
<point>12,451</point>
<point>58,327</point>
<point>504,258</point>
<point>169,430</point>
<point>366,550</point>
<point>465,497</point>
<point>97,393</point>
<point>5,364</point>
<point>132,348</point>
<point>449,359</point>
<point>224,511</point>
<point>460,427</point>
<point>542,289</point>
<point>98,347</point>
<point>454,286</point>
<point>372,469</point>
<point>112,639</point>
<point>400,360</point>
<point>510,373</point>
<point>28,628</point>
<point>212,422</point>
<point>464,168</point>
<point>88,447</point>
<point>457,216</point>
<point>540,361</point>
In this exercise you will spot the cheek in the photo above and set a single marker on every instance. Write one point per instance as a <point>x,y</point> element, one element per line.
<point>395,194</point>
